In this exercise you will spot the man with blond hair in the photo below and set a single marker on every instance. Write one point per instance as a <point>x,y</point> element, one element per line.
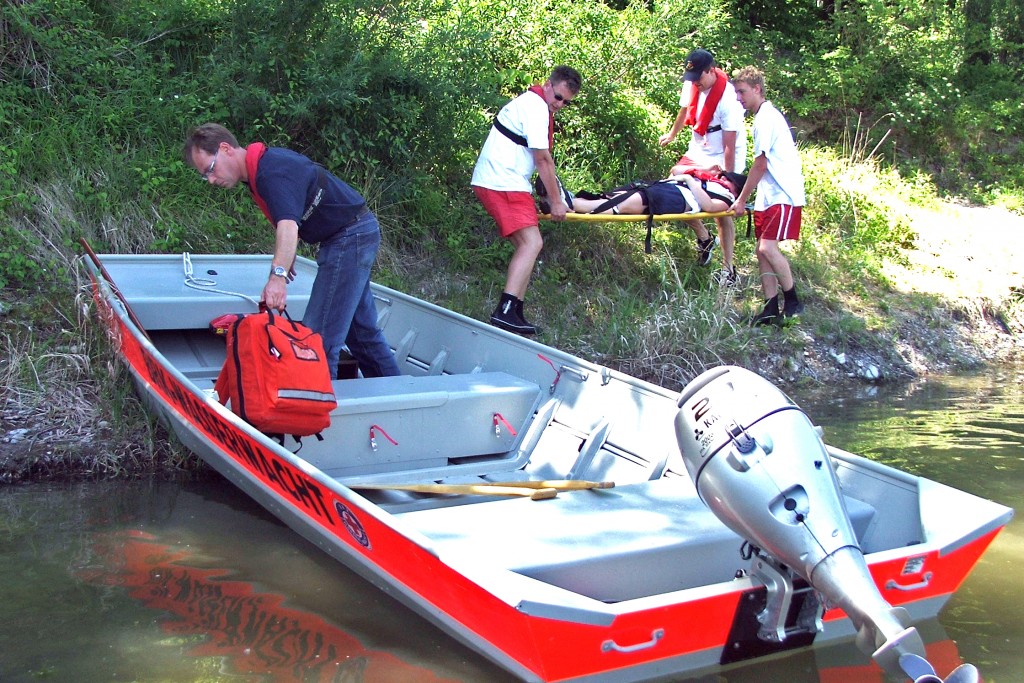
<point>777,174</point>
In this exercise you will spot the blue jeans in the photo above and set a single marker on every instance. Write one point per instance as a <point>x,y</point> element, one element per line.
<point>341,306</point>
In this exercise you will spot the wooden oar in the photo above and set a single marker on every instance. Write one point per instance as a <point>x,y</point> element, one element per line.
<point>557,484</point>
<point>465,489</point>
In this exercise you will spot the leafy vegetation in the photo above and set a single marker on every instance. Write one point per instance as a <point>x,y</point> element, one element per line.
<point>895,104</point>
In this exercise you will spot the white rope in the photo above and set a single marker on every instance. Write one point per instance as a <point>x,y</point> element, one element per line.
<point>206,284</point>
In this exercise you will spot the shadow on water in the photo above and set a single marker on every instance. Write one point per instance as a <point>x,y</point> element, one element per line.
<point>192,581</point>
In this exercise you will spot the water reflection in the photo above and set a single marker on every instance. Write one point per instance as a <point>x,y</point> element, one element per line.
<point>177,582</point>
<point>251,632</point>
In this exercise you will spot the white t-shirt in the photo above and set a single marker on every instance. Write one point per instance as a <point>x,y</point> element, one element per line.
<point>709,150</point>
<point>503,164</point>
<point>784,181</point>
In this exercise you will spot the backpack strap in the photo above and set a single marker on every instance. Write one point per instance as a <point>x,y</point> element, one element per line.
<point>504,130</point>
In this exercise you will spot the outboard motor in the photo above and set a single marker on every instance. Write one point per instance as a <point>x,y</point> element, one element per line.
<point>761,466</point>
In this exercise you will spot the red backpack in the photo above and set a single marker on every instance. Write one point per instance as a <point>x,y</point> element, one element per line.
<point>276,375</point>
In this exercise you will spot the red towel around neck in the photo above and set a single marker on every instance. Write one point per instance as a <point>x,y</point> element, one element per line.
<point>700,123</point>
<point>253,154</point>
<point>539,90</point>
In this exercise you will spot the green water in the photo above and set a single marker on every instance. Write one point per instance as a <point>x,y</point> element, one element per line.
<point>190,581</point>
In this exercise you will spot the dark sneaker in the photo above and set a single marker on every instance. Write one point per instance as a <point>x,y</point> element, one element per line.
<point>727,277</point>
<point>704,250</point>
<point>789,311</point>
<point>769,315</point>
<point>521,316</point>
<point>507,318</point>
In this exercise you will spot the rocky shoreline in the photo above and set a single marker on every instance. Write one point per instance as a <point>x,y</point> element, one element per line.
<point>916,352</point>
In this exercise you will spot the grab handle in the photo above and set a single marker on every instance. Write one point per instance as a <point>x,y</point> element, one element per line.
<point>656,635</point>
<point>892,585</point>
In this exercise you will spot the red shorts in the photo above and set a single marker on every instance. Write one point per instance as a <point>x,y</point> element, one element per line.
<point>512,211</point>
<point>778,222</point>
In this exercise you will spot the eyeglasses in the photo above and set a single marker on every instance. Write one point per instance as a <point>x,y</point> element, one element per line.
<point>209,169</point>
<point>563,99</point>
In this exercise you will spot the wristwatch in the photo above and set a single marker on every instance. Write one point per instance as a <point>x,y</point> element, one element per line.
<point>279,271</point>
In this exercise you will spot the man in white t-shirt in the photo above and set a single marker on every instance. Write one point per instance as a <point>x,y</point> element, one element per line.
<point>777,173</point>
<point>708,104</point>
<point>518,144</point>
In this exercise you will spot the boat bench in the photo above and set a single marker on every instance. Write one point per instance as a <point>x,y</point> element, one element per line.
<point>613,544</point>
<point>430,426</point>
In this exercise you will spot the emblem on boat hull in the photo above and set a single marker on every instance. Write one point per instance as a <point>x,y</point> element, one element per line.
<point>352,523</point>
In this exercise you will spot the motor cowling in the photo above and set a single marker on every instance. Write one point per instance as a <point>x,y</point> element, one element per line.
<point>760,465</point>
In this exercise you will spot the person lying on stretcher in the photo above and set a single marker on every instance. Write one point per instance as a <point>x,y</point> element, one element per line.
<point>689,190</point>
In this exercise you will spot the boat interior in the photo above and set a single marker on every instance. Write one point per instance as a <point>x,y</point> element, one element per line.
<point>471,411</point>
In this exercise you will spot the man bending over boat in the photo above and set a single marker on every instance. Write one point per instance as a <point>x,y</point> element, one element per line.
<point>302,200</point>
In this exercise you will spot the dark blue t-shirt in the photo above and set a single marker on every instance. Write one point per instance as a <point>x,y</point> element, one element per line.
<point>287,181</point>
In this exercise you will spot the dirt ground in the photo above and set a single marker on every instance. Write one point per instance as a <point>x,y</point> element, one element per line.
<point>948,305</point>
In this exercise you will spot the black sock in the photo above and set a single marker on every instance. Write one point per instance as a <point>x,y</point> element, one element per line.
<point>519,310</point>
<point>508,303</point>
<point>790,297</point>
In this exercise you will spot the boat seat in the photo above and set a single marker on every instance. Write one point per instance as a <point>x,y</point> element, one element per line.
<point>197,354</point>
<point>429,426</point>
<point>623,543</point>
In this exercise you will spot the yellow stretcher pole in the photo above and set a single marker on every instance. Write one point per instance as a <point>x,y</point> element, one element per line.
<point>635,217</point>
<point>537,490</point>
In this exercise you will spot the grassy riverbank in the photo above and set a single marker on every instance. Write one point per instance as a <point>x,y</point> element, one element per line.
<point>943,295</point>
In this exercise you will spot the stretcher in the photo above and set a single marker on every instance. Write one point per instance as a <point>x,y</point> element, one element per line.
<point>649,219</point>
<point>635,217</point>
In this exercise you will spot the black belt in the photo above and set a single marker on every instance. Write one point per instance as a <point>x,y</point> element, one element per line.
<point>342,228</point>
<point>362,212</point>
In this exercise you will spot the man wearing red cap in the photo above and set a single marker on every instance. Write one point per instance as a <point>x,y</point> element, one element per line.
<point>708,105</point>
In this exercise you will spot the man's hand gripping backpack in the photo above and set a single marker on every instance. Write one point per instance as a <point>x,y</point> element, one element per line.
<point>276,375</point>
